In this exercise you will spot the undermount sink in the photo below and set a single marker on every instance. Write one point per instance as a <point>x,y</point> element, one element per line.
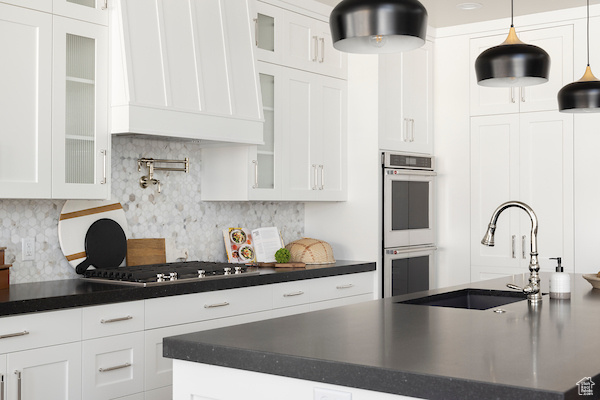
<point>472,299</point>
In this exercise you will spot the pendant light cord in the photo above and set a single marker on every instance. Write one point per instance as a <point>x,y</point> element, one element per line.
<point>588,33</point>
<point>512,25</point>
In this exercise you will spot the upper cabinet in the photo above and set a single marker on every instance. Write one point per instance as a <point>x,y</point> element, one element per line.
<point>54,106</point>
<point>304,152</point>
<point>297,41</point>
<point>80,140</point>
<point>95,11</point>
<point>558,43</point>
<point>406,100</point>
<point>25,103</point>
<point>185,69</point>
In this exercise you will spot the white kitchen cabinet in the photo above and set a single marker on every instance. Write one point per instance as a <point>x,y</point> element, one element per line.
<point>113,366</point>
<point>315,144</point>
<point>557,42</point>
<point>250,172</point>
<point>308,46</point>
<point>295,40</point>
<point>268,32</point>
<point>304,152</point>
<point>40,5</point>
<point>526,157</point>
<point>25,103</point>
<point>95,11</point>
<point>406,101</point>
<point>112,319</point>
<point>46,373</point>
<point>80,140</point>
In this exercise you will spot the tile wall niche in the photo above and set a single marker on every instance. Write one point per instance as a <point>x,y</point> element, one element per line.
<point>188,224</point>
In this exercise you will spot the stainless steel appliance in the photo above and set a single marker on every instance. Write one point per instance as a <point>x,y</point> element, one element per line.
<point>408,223</point>
<point>169,273</point>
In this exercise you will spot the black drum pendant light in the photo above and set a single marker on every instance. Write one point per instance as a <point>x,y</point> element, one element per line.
<point>378,26</point>
<point>512,63</point>
<point>582,96</point>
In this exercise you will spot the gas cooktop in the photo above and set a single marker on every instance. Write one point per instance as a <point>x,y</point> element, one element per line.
<point>169,273</point>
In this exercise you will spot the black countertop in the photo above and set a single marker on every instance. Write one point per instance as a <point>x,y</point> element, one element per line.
<point>60,294</point>
<point>420,351</point>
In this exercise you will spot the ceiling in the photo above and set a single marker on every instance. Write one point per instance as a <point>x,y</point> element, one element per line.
<point>444,13</point>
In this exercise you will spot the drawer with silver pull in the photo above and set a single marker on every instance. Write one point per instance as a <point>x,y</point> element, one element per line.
<point>113,366</point>
<point>289,294</point>
<point>343,286</point>
<point>40,329</point>
<point>113,319</point>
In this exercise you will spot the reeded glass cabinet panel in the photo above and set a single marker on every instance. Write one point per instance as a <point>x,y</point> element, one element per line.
<point>80,110</point>
<point>266,152</point>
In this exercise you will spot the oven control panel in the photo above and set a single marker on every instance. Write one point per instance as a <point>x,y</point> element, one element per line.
<point>407,161</point>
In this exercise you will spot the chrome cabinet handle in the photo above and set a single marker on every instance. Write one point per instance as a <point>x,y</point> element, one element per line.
<point>513,246</point>
<point>523,94</point>
<point>9,335</point>
<point>256,31</point>
<point>404,136</point>
<point>523,246</point>
<point>298,293</point>
<point>412,130</point>
<point>315,178</point>
<point>103,152</point>
<point>346,286</point>
<point>223,304</point>
<point>105,6</point>
<point>1,387</point>
<point>315,48</point>
<point>512,94</point>
<point>322,168</point>
<point>108,321</point>
<point>126,365</point>
<point>18,373</point>
<point>322,59</point>
<point>255,162</point>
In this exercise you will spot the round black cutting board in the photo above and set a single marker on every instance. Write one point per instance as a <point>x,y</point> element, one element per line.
<point>105,245</point>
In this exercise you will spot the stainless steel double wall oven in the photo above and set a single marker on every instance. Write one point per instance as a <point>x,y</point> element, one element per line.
<point>408,223</point>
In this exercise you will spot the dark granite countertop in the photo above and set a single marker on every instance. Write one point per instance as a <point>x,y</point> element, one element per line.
<point>55,295</point>
<point>421,351</point>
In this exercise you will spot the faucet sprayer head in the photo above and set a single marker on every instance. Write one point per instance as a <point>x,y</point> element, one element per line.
<point>488,238</point>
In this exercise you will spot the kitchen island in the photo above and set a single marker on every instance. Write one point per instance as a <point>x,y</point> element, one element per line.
<point>385,350</point>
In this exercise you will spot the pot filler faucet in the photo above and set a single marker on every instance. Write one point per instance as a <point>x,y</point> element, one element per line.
<point>532,290</point>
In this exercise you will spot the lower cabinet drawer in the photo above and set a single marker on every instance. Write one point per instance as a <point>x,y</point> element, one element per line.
<point>113,319</point>
<point>113,366</point>
<point>334,287</point>
<point>176,310</point>
<point>294,293</point>
<point>42,329</point>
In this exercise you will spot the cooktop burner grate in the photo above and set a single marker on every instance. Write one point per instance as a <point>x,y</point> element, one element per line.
<point>179,272</point>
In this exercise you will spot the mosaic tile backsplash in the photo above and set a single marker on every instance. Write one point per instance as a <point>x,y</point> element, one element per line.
<point>188,225</point>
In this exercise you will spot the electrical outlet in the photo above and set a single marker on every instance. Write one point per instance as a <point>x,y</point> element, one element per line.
<point>28,249</point>
<point>326,394</point>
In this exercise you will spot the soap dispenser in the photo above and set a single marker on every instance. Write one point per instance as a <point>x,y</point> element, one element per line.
<point>560,282</point>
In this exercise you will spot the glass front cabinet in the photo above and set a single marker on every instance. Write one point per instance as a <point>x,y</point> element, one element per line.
<point>80,152</point>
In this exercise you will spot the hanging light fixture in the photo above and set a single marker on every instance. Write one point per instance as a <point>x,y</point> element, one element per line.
<point>378,26</point>
<point>512,63</point>
<point>583,95</point>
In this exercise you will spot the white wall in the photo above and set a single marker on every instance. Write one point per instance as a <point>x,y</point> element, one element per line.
<point>451,151</point>
<point>352,227</point>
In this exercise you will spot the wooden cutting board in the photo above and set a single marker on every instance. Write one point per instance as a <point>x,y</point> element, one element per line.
<point>145,251</point>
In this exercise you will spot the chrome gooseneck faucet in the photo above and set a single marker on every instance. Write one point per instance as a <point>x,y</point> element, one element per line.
<point>532,289</point>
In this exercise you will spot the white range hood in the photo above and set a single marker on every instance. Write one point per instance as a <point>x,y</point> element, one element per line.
<point>184,69</point>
